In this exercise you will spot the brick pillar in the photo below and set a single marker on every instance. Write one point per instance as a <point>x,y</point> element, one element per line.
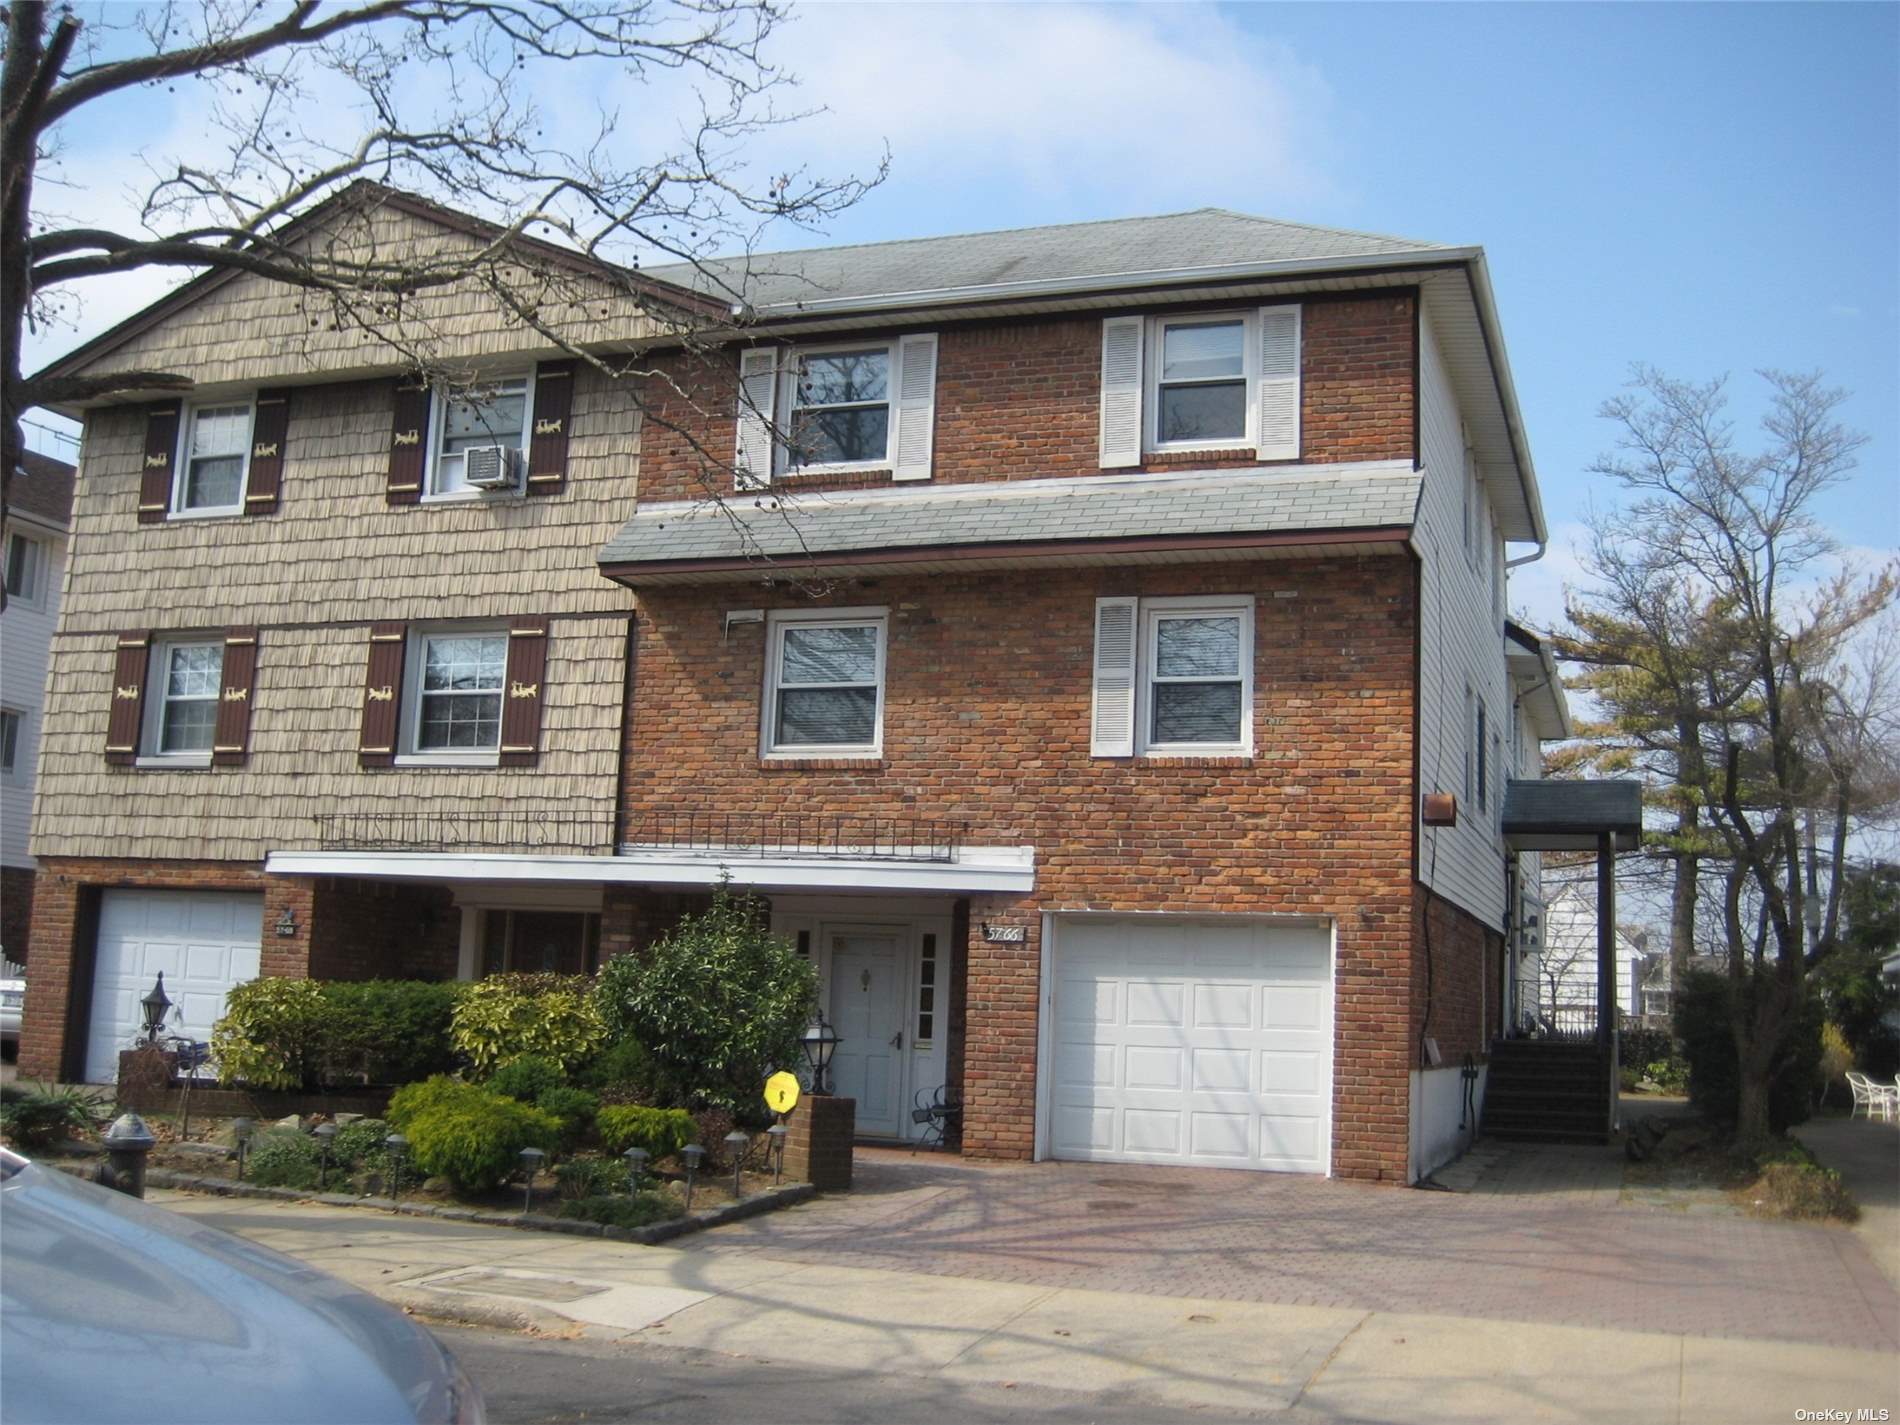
<point>1004,989</point>
<point>818,1141</point>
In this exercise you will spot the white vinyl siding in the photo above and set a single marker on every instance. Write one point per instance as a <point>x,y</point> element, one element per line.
<point>26,632</point>
<point>1460,648</point>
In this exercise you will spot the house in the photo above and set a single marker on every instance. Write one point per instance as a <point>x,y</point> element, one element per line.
<point>1566,960</point>
<point>1061,628</point>
<point>39,506</point>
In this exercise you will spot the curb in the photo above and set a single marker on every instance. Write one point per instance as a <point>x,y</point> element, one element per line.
<point>769,1200</point>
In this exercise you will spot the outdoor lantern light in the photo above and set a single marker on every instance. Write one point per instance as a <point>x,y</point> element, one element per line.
<point>777,1134</point>
<point>325,1132</point>
<point>157,1005</point>
<point>636,1167</point>
<point>736,1143</point>
<point>531,1161</point>
<point>397,1147</point>
<point>692,1154</point>
<point>820,1042</point>
<point>241,1130</point>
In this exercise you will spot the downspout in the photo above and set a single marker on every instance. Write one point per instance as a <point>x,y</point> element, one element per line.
<point>1543,547</point>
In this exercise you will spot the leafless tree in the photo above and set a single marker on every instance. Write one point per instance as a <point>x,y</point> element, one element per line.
<point>308,104</point>
<point>1740,664</point>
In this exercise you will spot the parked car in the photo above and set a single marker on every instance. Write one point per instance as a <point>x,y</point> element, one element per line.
<point>12,998</point>
<point>116,1310</point>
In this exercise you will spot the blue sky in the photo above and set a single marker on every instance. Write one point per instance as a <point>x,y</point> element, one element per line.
<point>1708,188</point>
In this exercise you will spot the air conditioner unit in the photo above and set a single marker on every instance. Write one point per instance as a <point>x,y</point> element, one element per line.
<point>492,467</point>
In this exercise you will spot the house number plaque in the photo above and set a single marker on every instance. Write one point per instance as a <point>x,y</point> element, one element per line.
<point>1005,934</point>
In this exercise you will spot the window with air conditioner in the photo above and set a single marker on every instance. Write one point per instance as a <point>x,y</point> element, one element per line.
<point>480,438</point>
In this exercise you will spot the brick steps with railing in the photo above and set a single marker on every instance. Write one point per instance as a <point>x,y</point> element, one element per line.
<point>1547,1091</point>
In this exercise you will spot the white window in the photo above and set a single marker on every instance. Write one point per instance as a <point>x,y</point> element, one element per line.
<point>1198,380</point>
<point>215,458</point>
<point>824,692</point>
<point>1480,742</point>
<point>489,415</point>
<point>1471,760</point>
<point>865,406</point>
<point>9,741</point>
<point>26,569</point>
<point>456,679</point>
<point>181,701</point>
<point>1173,677</point>
<point>1205,381</point>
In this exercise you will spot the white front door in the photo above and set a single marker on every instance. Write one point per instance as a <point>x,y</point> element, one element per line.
<point>867,1011</point>
<point>204,941</point>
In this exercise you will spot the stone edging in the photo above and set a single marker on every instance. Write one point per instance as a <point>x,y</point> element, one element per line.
<point>768,1200</point>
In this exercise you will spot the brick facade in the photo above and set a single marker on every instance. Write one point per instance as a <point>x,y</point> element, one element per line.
<point>16,911</point>
<point>1457,979</point>
<point>344,930</point>
<point>986,723</point>
<point>1022,400</point>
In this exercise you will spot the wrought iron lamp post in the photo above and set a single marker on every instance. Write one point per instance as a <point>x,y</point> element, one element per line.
<point>157,1004</point>
<point>821,1041</point>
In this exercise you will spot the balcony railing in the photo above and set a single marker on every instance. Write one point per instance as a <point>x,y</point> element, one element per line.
<point>572,833</point>
<point>794,834</point>
<point>1576,1022</point>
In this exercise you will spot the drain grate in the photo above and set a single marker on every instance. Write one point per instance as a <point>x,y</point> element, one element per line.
<point>1108,1205</point>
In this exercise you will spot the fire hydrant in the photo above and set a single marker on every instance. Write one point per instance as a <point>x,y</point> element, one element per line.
<point>127,1141</point>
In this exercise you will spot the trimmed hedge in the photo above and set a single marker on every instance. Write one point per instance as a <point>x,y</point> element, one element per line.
<point>661,1131</point>
<point>506,1016</point>
<point>292,1034</point>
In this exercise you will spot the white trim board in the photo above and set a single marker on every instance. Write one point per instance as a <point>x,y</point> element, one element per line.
<point>977,869</point>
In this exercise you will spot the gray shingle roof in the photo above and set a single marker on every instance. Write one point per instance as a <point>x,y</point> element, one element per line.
<point>1206,237</point>
<point>1561,815</point>
<point>1031,512</point>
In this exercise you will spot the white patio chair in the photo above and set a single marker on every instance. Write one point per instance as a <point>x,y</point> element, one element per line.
<point>1863,1090</point>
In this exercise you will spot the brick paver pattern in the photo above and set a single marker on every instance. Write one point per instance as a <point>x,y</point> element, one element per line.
<point>1558,1248</point>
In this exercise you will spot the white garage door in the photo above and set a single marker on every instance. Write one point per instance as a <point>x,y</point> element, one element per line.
<point>204,941</point>
<point>1202,1041</point>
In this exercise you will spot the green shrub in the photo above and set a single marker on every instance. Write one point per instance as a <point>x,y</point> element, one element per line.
<point>590,1177</point>
<point>387,1031</point>
<point>505,1016</point>
<point>38,1115</point>
<point>717,1004</point>
<point>1701,1017</point>
<point>574,1108</point>
<point>624,1072</point>
<point>661,1131</point>
<point>526,1077</point>
<point>641,1210</point>
<point>476,1144</point>
<point>1639,1046</point>
<point>271,1035</point>
<point>358,1143</point>
<point>284,1158</point>
<point>411,1101</point>
<point>1627,1078</point>
<point>1671,1074</point>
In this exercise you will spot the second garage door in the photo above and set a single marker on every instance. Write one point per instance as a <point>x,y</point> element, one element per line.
<point>204,941</point>
<point>1196,1040</point>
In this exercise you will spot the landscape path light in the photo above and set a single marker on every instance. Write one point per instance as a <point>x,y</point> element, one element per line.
<point>325,1132</point>
<point>777,1134</point>
<point>691,1155</point>
<point>396,1147</point>
<point>736,1143</point>
<point>636,1159</point>
<point>531,1161</point>
<point>241,1130</point>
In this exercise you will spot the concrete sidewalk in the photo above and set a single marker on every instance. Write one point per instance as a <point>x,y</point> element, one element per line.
<point>1866,1153</point>
<point>1177,1353</point>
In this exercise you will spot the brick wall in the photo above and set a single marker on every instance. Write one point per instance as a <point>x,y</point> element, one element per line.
<point>370,930</point>
<point>16,911</point>
<point>1457,976</point>
<point>1022,400</point>
<point>986,723</point>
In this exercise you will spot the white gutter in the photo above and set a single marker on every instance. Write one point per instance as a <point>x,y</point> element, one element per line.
<point>1480,279</point>
<point>1007,869</point>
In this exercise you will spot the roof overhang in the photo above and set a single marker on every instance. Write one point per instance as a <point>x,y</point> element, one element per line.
<point>1534,680</point>
<point>1550,815</point>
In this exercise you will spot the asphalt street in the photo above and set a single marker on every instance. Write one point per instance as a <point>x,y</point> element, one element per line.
<point>541,1380</point>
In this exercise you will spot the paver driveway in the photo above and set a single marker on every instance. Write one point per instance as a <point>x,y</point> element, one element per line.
<point>1563,1250</point>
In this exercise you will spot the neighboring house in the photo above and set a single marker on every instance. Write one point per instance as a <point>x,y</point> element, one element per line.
<point>1566,965</point>
<point>39,508</point>
<point>1083,617</point>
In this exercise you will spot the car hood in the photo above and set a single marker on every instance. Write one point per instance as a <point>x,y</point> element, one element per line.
<point>113,1309</point>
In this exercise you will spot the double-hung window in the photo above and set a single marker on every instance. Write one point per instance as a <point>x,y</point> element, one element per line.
<point>26,569</point>
<point>216,455</point>
<point>1177,384</point>
<point>840,409</point>
<point>824,691</point>
<point>9,742</point>
<point>458,679</point>
<point>1199,382</point>
<point>181,708</point>
<point>1173,676</point>
<point>491,415</point>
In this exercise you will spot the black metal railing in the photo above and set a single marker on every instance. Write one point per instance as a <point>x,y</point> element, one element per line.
<point>876,838</point>
<point>580,833</point>
<point>1565,1021</point>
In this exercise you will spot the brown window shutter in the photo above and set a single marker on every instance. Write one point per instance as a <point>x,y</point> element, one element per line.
<point>161,449</point>
<point>382,695</point>
<point>268,430</point>
<point>547,445</point>
<point>527,683</point>
<point>231,738</point>
<point>128,697</point>
<point>408,442</point>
